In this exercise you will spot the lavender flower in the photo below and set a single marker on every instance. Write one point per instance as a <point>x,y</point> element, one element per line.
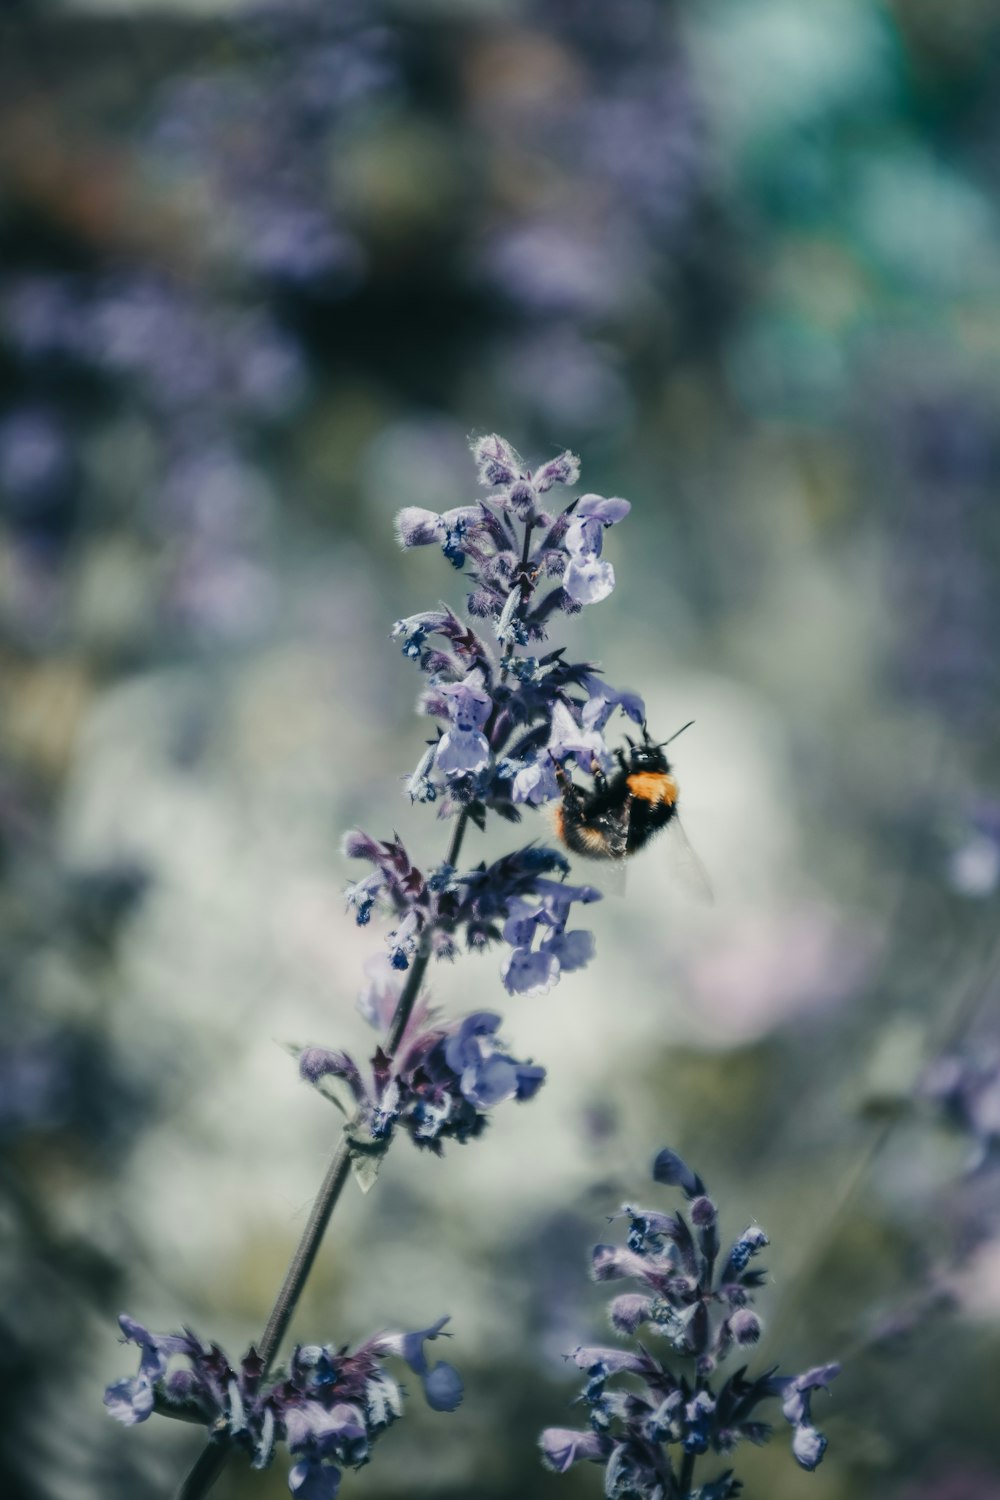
<point>587,578</point>
<point>966,1089</point>
<point>442,1082</point>
<point>511,900</point>
<point>533,971</point>
<point>701,1306</point>
<point>505,571</point>
<point>328,1406</point>
<point>464,747</point>
<point>506,720</point>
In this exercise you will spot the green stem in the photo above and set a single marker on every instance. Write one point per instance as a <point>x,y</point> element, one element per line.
<point>948,1033</point>
<point>213,1458</point>
<point>686,1476</point>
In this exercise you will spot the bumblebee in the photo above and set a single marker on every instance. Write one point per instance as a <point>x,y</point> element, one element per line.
<point>621,813</point>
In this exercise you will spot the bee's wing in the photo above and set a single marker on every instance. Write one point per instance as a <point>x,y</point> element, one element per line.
<point>608,871</point>
<point>615,832</point>
<point>610,876</point>
<point>685,864</point>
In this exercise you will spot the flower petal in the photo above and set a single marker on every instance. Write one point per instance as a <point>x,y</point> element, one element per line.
<point>589,582</point>
<point>562,1447</point>
<point>460,751</point>
<point>527,973</point>
<point>443,1387</point>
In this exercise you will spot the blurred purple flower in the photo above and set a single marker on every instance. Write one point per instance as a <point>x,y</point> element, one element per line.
<point>700,1303</point>
<point>37,487</point>
<point>966,1087</point>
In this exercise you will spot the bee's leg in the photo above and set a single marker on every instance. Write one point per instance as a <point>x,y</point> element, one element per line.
<point>622,760</point>
<point>571,793</point>
<point>600,780</point>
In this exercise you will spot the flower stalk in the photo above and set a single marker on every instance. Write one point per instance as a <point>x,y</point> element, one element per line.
<point>508,723</point>
<point>211,1462</point>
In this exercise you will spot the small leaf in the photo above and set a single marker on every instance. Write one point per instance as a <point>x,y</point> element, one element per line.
<point>366,1160</point>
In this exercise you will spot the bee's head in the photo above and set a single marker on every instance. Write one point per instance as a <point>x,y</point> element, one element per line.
<point>649,756</point>
<point>645,756</point>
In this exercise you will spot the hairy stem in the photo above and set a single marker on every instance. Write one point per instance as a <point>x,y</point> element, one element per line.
<point>213,1458</point>
<point>210,1464</point>
<point>953,1022</point>
<point>686,1479</point>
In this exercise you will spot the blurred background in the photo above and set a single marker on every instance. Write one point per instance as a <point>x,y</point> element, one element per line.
<point>261,273</point>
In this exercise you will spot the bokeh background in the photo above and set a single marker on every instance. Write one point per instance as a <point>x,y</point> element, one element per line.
<point>261,273</point>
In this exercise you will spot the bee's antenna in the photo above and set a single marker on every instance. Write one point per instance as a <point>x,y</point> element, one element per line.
<point>663,743</point>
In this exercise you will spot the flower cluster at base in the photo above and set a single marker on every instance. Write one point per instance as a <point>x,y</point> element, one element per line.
<point>328,1407</point>
<point>443,1079</point>
<point>702,1305</point>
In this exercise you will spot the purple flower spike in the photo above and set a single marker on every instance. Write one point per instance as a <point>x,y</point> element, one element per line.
<point>328,1406</point>
<point>702,1313</point>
